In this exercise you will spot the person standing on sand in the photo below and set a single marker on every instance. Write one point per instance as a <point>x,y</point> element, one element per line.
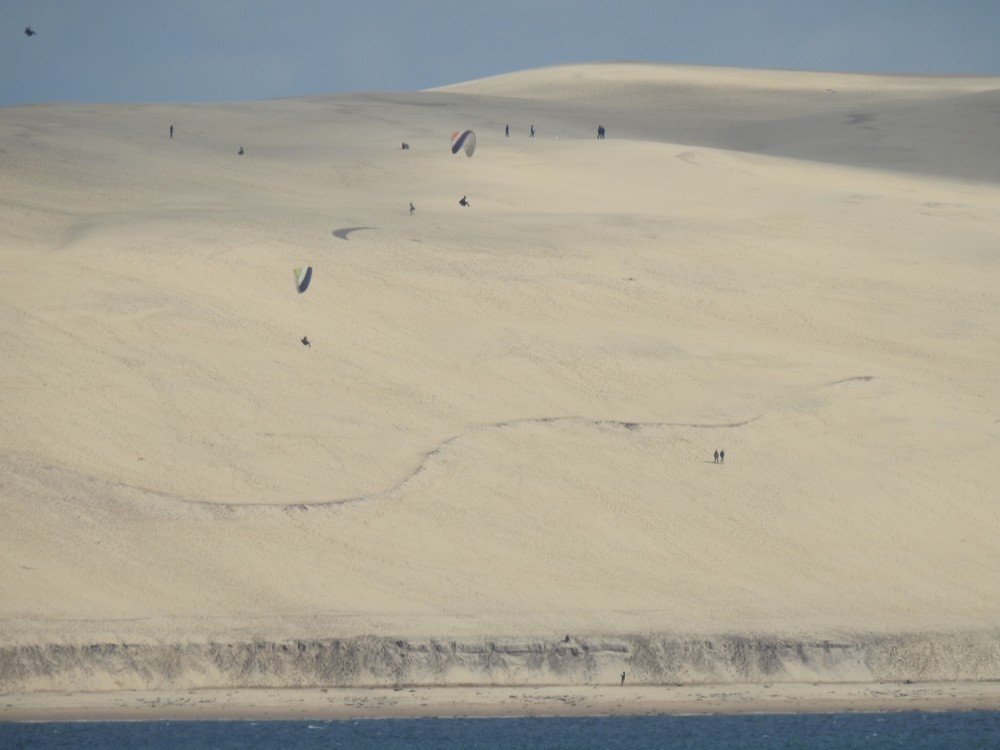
<point>171,131</point>
<point>506,131</point>
<point>717,457</point>
<point>722,457</point>
<point>623,680</point>
<point>532,131</point>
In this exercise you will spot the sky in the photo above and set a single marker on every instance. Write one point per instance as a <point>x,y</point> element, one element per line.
<point>227,50</point>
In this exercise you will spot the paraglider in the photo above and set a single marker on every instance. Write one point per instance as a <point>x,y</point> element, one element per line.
<point>303,276</point>
<point>463,140</point>
<point>28,31</point>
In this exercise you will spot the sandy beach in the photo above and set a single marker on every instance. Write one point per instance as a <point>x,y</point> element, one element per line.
<point>504,428</point>
<point>479,701</point>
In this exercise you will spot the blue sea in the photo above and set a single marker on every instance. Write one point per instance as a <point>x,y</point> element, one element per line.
<point>954,730</point>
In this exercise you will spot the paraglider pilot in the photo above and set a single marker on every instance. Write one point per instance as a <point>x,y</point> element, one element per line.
<point>464,201</point>
<point>305,341</point>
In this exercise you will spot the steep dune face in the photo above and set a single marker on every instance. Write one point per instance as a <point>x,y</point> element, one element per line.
<point>369,661</point>
<point>505,424</point>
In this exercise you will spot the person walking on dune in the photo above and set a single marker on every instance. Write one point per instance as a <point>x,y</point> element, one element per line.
<point>623,680</point>
<point>722,457</point>
<point>532,131</point>
<point>464,202</point>
<point>717,457</point>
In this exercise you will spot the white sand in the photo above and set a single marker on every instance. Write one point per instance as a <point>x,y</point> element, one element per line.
<point>506,421</point>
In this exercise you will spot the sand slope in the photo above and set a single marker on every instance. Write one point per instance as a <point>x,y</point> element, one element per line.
<point>505,423</point>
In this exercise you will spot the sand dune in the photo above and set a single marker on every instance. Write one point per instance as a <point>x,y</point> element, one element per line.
<point>504,426</point>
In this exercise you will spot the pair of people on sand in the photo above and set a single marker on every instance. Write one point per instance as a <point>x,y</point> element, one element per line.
<point>720,457</point>
<point>506,131</point>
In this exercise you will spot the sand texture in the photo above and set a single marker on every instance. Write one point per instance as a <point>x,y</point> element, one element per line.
<point>482,701</point>
<point>502,434</point>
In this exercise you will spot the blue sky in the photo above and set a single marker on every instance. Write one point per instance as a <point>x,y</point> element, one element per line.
<point>216,50</point>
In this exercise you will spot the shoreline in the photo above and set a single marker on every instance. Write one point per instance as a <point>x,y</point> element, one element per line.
<point>331,704</point>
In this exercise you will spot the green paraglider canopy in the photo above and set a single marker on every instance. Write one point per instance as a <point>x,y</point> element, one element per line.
<point>303,276</point>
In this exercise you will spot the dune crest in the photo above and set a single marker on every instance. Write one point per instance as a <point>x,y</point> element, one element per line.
<point>576,79</point>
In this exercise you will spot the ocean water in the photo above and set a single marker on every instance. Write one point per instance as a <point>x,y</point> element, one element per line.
<point>954,730</point>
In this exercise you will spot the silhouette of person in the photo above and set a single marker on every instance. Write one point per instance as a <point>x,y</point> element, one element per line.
<point>623,678</point>
<point>464,201</point>
<point>532,131</point>
<point>722,457</point>
<point>28,31</point>
<point>717,457</point>
<point>412,208</point>
<point>506,131</point>
<point>241,151</point>
<point>305,341</point>
<point>171,131</point>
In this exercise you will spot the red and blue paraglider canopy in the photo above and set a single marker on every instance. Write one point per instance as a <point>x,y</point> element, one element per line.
<point>463,140</point>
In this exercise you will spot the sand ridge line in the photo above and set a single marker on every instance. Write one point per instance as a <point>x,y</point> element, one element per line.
<point>436,451</point>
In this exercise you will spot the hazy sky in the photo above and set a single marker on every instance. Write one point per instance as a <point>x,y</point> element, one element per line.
<point>213,50</point>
